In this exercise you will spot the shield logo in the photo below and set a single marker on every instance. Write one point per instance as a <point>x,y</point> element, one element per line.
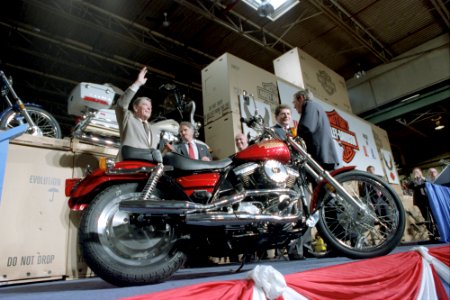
<point>341,132</point>
<point>327,83</point>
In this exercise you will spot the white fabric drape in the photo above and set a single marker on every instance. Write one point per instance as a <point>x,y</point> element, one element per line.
<point>270,284</point>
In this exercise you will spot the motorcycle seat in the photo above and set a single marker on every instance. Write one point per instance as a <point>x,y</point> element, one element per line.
<point>131,153</point>
<point>182,162</point>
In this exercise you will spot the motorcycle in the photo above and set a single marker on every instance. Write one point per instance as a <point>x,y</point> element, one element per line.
<point>92,104</point>
<point>39,121</point>
<point>142,220</point>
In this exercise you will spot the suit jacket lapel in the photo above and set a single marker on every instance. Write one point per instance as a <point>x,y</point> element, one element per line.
<point>183,150</point>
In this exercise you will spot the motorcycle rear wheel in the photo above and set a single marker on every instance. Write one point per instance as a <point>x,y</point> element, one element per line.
<point>47,124</point>
<point>353,233</point>
<point>122,252</point>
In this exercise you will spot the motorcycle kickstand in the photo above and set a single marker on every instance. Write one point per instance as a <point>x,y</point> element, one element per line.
<point>244,258</point>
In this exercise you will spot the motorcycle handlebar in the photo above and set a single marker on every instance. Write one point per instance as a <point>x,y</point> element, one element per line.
<point>245,120</point>
<point>253,122</point>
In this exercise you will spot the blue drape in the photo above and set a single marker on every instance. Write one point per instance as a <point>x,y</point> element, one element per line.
<point>439,198</point>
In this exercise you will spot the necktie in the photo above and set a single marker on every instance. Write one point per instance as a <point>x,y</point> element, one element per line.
<point>147,131</point>
<point>191,151</point>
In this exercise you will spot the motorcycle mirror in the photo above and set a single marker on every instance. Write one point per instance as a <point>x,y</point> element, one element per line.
<point>254,103</point>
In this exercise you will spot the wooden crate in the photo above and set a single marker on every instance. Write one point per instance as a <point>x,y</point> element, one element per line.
<point>33,210</point>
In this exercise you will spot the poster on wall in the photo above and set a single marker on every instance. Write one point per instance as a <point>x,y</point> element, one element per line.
<point>355,141</point>
<point>249,107</point>
<point>389,166</point>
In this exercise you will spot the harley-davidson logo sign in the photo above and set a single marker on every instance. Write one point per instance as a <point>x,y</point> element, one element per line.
<point>341,132</point>
<point>326,81</point>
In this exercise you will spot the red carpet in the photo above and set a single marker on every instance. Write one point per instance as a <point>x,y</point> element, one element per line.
<point>408,275</point>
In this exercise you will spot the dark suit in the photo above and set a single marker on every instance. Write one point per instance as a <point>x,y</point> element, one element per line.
<point>280,131</point>
<point>202,150</point>
<point>132,131</point>
<point>314,128</point>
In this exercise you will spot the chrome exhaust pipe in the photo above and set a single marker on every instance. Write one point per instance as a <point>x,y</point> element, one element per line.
<point>176,207</point>
<point>221,219</point>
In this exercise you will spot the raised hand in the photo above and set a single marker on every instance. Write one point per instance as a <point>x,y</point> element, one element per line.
<point>142,79</point>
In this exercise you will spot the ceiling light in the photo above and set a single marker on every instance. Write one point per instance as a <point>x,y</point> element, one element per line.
<point>265,9</point>
<point>439,126</point>
<point>437,121</point>
<point>360,74</point>
<point>410,98</point>
<point>165,23</point>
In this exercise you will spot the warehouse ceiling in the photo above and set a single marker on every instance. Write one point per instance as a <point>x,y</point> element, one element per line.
<point>48,46</point>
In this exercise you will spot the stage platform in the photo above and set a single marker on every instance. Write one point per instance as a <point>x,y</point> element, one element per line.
<point>96,288</point>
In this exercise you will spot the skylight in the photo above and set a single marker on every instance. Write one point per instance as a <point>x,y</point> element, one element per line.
<point>271,9</point>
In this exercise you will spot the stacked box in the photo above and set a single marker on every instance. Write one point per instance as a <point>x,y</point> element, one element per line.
<point>39,232</point>
<point>302,70</point>
<point>33,210</point>
<point>86,156</point>
<point>222,82</point>
<point>221,132</point>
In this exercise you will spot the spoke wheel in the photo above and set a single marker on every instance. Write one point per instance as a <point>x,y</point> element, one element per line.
<point>125,249</point>
<point>46,124</point>
<point>357,233</point>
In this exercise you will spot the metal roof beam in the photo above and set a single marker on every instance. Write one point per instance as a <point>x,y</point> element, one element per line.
<point>83,13</point>
<point>90,52</point>
<point>442,11</point>
<point>80,47</point>
<point>347,22</point>
<point>238,24</point>
<point>402,108</point>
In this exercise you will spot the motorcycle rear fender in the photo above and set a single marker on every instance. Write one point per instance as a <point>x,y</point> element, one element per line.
<point>82,191</point>
<point>323,182</point>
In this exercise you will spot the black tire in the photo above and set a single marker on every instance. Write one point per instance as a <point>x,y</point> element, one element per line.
<point>122,252</point>
<point>45,122</point>
<point>357,235</point>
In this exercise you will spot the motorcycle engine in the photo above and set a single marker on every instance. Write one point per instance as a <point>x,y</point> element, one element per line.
<point>267,174</point>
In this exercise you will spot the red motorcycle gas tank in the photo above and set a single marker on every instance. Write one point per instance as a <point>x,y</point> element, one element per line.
<point>265,150</point>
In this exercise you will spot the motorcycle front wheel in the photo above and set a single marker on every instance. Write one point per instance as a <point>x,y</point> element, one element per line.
<point>46,124</point>
<point>123,250</point>
<point>355,233</point>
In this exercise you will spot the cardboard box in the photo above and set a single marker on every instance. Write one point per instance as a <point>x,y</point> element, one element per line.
<point>228,77</point>
<point>39,232</point>
<point>219,135</point>
<point>34,212</point>
<point>76,266</point>
<point>302,70</point>
<point>415,228</point>
<point>85,156</point>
